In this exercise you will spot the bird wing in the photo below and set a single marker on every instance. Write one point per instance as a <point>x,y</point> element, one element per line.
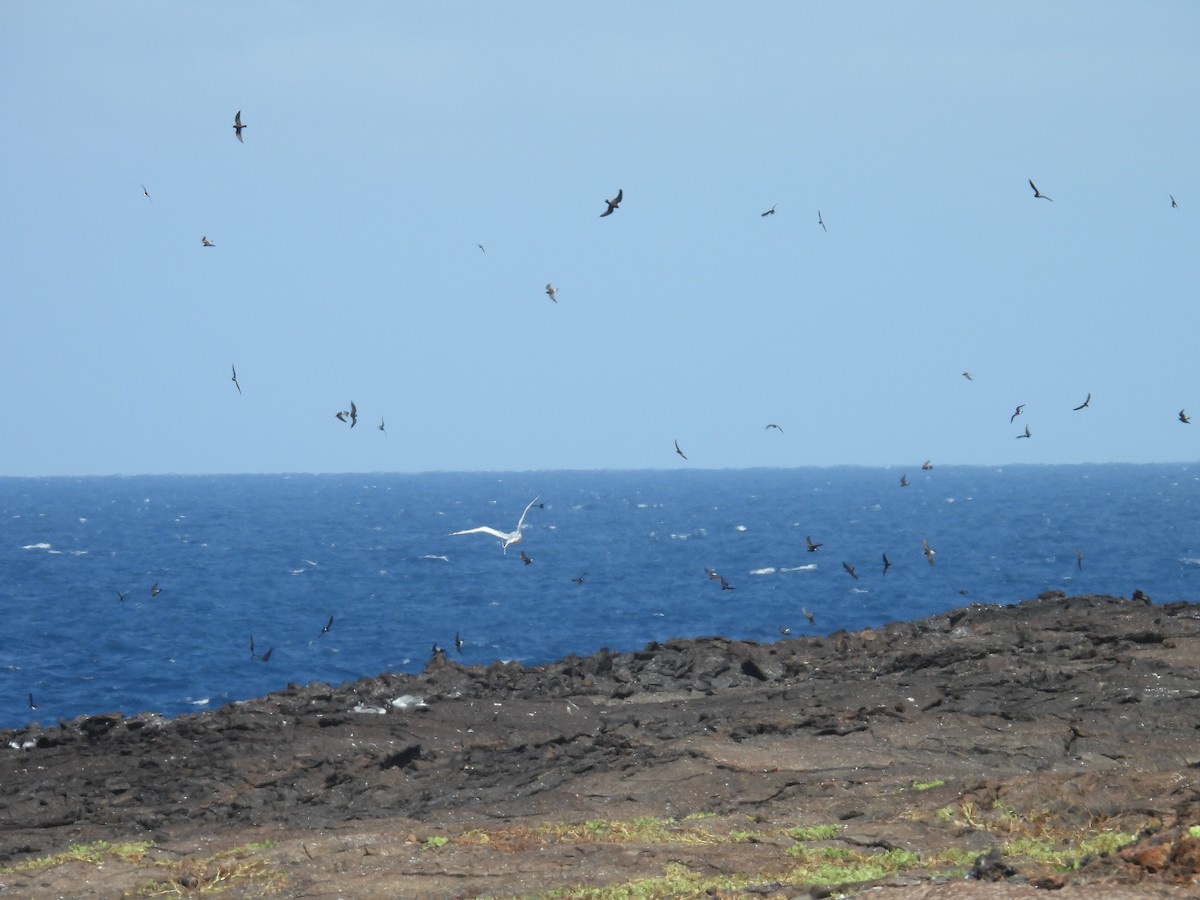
<point>521,521</point>
<point>485,529</point>
<point>620,196</point>
<point>237,120</point>
<point>1034,186</point>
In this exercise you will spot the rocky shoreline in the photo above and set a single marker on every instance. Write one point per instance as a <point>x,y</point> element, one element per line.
<point>1061,735</point>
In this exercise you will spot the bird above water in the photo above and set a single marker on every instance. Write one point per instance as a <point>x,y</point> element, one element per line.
<point>927,465</point>
<point>928,551</point>
<point>903,481</point>
<point>613,203</point>
<point>154,590</point>
<point>677,450</point>
<point>328,625</point>
<point>850,570</point>
<point>525,558</point>
<point>812,620</point>
<point>458,642</point>
<point>1038,195</point>
<point>579,580</point>
<point>1078,559</point>
<point>238,126</point>
<point>508,537</point>
<point>887,564</point>
<point>812,548</point>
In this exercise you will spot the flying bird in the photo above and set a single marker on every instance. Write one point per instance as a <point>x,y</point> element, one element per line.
<point>1184,418</point>
<point>205,242</point>
<point>1085,403</point>
<point>613,203</point>
<point>677,450</point>
<point>238,126</point>
<point>770,212</point>
<point>350,416</point>
<point>1026,434</point>
<point>850,570</point>
<point>481,250</point>
<point>154,590</point>
<point>903,481</point>
<point>121,595</point>
<point>1078,559</point>
<point>821,222</point>
<point>1015,414</point>
<point>812,620</point>
<point>458,642</point>
<point>32,705</point>
<point>551,291</point>
<point>784,630</point>
<point>725,585</point>
<point>776,427</point>
<point>887,564</point>
<point>525,558</point>
<point>146,194</point>
<point>1174,205</point>
<point>508,537</point>
<point>382,427</point>
<point>967,375</point>
<point>927,550</point>
<point>927,465</point>
<point>328,625</point>
<point>1038,195</point>
<point>579,580</point>
<point>812,548</point>
<point>235,381</point>
<point>266,657</point>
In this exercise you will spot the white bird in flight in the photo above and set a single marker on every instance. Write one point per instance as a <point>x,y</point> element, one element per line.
<point>508,537</point>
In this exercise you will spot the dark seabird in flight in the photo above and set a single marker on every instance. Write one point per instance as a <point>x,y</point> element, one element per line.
<point>121,595</point>
<point>725,585</point>
<point>525,558</point>
<point>579,580</point>
<point>770,212</point>
<point>458,642</point>
<point>235,381</point>
<point>1026,434</point>
<point>1078,559</point>
<point>677,450</point>
<point>266,657</point>
<point>146,194</point>
<point>1184,418</point>
<point>776,427</point>
<point>328,625</point>
<point>382,427</point>
<point>1174,205</point>
<point>154,590</point>
<point>784,630</point>
<point>32,705</point>
<point>887,564</point>
<point>238,126</point>
<point>613,203</point>
<point>1015,414</point>
<point>438,651</point>
<point>551,291</point>
<point>850,570</point>
<point>927,550</point>
<point>903,481</point>
<point>812,548</point>
<point>252,646</point>
<point>1085,403</point>
<point>821,222</point>
<point>812,620</point>
<point>353,414</point>
<point>967,375</point>
<point>480,246</point>
<point>927,465</point>
<point>1038,195</point>
<point>205,242</point>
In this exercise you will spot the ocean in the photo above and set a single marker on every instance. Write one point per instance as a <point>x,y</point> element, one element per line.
<point>619,559</point>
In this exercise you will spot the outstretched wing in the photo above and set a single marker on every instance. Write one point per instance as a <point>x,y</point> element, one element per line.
<point>521,521</point>
<point>484,529</point>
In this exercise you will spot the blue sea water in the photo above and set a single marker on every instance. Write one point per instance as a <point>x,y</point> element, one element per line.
<point>272,557</point>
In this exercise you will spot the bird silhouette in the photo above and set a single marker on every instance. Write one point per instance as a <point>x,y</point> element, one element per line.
<point>205,242</point>
<point>1038,195</point>
<point>677,450</point>
<point>525,558</point>
<point>146,193</point>
<point>812,620</point>
<point>458,642</point>
<point>927,465</point>
<point>776,427</point>
<point>967,375</point>
<point>551,291</point>
<point>1085,403</point>
<point>235,381</point>
<point>613,203</point>
<point>32,705</point>
<point>382,427</point>
<point>1026,434</point>
<point>812,548</point>
<point>821,222</point>
<point>1078,559</point>
<point>154,590</point>
<point>1015,414</point>
<point>266,657</point>
<point>850,569</point>
<point>770,212</point>
<point>328,625</point>
<point>887,564</point>
<point>903,481</point>
<point>353,414</point>
<point>1184,418</point>
<point>121,595</point>
<point>481,250</point>
<point>579,580</point>
<point>1174,205</point>
<point>508,537</point>
<point>928,551</point>
<point>784,630</point>
<point>238,126</point>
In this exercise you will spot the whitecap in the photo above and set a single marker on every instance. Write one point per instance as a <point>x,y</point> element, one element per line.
<point>42,546</point>
<point>808,567</point>
<point>432,556</point>
<point>739,527</point>
<point>769,570</point>
<point>203,701</point>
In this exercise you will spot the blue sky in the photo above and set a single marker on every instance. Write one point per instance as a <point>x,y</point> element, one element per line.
<point>385,141</point>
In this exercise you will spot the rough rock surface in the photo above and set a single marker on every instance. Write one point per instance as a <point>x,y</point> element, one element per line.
<point>958,737</point>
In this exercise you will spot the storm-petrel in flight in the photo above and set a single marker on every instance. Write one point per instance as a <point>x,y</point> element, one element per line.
<point>850,569</point>
<point>677,450</point>
<point>769,212</point>
<point>812,548</point>
<point>1038,195</point>
<point>1015,414</point>
<point>235,381</point>
<point>238,126</point>
<point>1085,403</point>
<point>613,203</point>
